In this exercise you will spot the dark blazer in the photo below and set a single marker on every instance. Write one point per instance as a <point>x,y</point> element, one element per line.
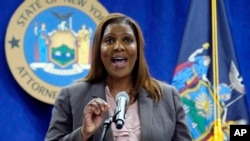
<point>162,121</point>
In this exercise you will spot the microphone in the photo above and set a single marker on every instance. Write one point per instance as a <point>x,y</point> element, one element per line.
<point>122,100</point>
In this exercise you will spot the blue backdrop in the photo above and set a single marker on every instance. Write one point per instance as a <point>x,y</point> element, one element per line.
<point>24,118</point>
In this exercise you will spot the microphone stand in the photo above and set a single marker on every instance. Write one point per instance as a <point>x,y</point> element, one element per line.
<point>106,125</point>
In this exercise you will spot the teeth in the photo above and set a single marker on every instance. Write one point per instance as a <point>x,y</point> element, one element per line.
<point>118,57</point>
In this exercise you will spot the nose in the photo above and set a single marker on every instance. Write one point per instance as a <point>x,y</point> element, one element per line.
<point>118,47</point>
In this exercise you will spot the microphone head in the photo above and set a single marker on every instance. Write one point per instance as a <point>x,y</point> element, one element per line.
<point>122,100</point>
<point>122,94</point>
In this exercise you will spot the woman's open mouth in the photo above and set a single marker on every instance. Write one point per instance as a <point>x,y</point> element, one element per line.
<point>119,62</point>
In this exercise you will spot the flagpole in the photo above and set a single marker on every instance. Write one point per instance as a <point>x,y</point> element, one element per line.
<point>218,133</point>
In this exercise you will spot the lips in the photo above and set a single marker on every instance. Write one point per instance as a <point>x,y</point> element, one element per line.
<point>119,61</point>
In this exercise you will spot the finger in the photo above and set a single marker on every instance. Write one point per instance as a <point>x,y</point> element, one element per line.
<point>89,125</point>
<point>101,104</point>
<point>92,109</point>
<point>97,106</point>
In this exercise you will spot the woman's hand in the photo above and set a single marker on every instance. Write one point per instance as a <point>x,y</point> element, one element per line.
<point>93,114</point>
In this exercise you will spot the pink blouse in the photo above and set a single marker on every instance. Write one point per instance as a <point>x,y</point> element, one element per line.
<point>131,130</point>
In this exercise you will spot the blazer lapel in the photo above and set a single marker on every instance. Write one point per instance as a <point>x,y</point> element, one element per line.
<point>98,90</point>
<point>146,113</point>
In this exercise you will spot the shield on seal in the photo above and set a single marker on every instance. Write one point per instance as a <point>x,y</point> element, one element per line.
<point>63,48</point>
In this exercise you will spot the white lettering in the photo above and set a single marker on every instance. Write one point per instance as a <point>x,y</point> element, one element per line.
<point>240,132</point>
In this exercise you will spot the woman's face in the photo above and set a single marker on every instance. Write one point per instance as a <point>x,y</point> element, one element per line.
<point>119,50</point>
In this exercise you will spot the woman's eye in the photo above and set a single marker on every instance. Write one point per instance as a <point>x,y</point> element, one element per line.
<point>128,40</point>
<point>109,40</point>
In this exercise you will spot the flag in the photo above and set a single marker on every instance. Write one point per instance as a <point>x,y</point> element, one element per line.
<point>205,102</point>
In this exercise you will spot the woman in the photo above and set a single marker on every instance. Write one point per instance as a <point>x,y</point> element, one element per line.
<point>154,111</point>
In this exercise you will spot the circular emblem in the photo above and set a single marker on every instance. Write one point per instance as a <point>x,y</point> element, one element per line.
<point>48,44</point>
